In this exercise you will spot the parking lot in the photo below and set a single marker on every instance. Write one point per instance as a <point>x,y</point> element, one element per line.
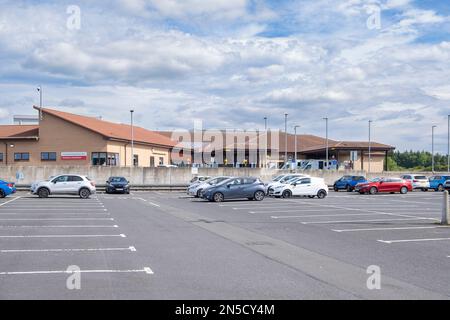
<point>166,245</point>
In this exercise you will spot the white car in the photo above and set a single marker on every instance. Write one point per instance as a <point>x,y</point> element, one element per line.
<point>64,184</point>
<point>196,189</point>
<point>309,186</point>
<point>270,187</point>
<point>197,180</point>
<point>418,181</point>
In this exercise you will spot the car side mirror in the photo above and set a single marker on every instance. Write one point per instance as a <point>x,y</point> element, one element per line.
<point>228,185</point>
<point>107,181</point>
<point>294,184</point>
<point>54,182</point>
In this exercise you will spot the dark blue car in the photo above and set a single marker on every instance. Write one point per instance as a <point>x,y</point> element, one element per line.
<point>348,183</point>
<point>6,188</point>
<point>437,182</point>
<point>236,188</point>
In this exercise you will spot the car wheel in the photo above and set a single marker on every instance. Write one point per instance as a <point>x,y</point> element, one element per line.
<point>424,189</point>
<point>349,188</point>
<point>440,188</point>
<point>2,194</point>
<point>84,193</point>
<point>403,190</point>
<point>321,194</point>
<point>311,197</point>
<point>336,189</point>
<point>361,192</point>
<point>259,196</point>
<point>43,193</point>
<point>218,197</point>
<point>287,194</point>
<point>373,190</point>
<point>199,193</point>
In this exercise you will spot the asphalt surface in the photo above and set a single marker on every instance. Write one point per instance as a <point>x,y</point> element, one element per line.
<point>166,245</point>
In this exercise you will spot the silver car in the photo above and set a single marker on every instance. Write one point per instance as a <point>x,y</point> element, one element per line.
<point>197,189</point>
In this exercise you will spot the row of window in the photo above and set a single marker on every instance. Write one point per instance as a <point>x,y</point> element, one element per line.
<point>97,158</point>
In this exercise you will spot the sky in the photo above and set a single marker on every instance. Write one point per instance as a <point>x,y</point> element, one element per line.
<point>230,63</point>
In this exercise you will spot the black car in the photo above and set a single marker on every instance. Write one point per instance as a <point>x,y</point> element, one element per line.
<point>117,184</point>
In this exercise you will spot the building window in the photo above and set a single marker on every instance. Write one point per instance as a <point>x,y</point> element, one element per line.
<point>152,161</point>
<point>1,157</point>
<point>161,161</point>
<point>136,160</point>
<point>22,156</point>
<point>48,156</point>
<point>105,159</point>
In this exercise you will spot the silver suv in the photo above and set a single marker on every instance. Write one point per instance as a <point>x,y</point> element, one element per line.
<point>64,184</point>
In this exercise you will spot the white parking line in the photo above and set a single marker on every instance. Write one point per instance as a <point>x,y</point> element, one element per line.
<point>388,228</point>
<point>56,219</point>
<point>9,201</point>
<point>325,215</point>
<point>371,220</point>
<point>413,240</point>
<point>304,210</point>
<point>63,226</point>
<point>67,236</point>
<point>146,270</point>
<point>51,209</point>
<point>56,213</point>
<point>132,249</point>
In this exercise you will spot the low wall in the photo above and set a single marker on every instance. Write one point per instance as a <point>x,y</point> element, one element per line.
<point>160,176</point>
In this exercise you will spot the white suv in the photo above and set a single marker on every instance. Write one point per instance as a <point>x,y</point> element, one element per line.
<point>418,181</point>
<point>64,184</point>
<point>305,186</point>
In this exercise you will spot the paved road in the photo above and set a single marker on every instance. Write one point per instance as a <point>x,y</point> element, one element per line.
<point>157,245</point>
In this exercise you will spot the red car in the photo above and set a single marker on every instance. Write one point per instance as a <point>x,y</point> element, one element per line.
<point>390,185</point>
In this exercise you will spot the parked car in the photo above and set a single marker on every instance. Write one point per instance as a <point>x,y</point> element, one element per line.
<point>418,181</point>
<point>447,185</point>
<point>270,187</point>
<point>6,188</point>
<point>390,185</point>
<point>197,189</point>
<point>198,179</point>
<point>117,184</point>
<point>348,183</point>
<point>236,188</point>
<point>64,184</point>
<point>437,182</point>
<point>311,187</point>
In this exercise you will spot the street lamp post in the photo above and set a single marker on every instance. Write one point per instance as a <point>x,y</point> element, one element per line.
<point>285,138</point>
<point>370,144</point>
<point>432,148</point>
<point>265,151</point>
<point>295,156</point>
<point>132,138</point>
<point>39,89</point>
<point>448,143</point>
<point>326,134</point>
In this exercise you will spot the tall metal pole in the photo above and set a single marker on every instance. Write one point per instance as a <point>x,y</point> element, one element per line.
<point>432,148</point>
<point>265,152</point>
<point>132,139</point>
<point>39,89</point>
<point>448,143</point>
<point>285,138</point>
<point>370,144</point>
<point>295,156</point>
<point>326,134</point>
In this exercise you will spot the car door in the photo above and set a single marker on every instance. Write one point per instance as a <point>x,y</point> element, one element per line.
<point>302,187</point>
<point>384,185</point>
<point>59,184</point>
<point>248,187</point>
<point>234,189</point>
<point>74,184</point>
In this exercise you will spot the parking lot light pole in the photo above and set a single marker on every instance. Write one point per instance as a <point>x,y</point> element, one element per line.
<point>265,151</point>
<point>39,89</point>
<point>285,138</point>
<point>448,143</point>
<point>432,148</point>
<point>326,135</point>
<point>132,138</point>
<point>295,156</point>
<point>370,144</point>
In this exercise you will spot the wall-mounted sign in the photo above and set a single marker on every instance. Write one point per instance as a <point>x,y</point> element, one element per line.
<point>73,155</point>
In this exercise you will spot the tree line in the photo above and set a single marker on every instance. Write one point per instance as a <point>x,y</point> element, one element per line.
<point>416,161</point>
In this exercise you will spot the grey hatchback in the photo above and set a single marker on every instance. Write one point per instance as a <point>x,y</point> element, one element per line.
<point>236,188</point>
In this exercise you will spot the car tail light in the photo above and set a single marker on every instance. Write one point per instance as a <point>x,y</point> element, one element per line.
<point>11,185</point>
<point>415,180</point>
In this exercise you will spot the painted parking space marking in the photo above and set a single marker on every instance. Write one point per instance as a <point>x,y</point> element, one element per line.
<point>56,219</point>
<point>370,220</point>
<point>146,270</point>
<point>388,228</point>
<point>131,249</point>
<point>9,201</point>
<point>60,226</point>
<point>412,240</point>
<point>325,215</point>
<point>67,236</point>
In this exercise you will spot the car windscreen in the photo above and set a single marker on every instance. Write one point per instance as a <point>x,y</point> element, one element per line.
<point>278,178</point>
<point>420,177</point>
<point>117,179</point>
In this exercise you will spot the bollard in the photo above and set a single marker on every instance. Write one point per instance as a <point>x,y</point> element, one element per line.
<point>445,209</point>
